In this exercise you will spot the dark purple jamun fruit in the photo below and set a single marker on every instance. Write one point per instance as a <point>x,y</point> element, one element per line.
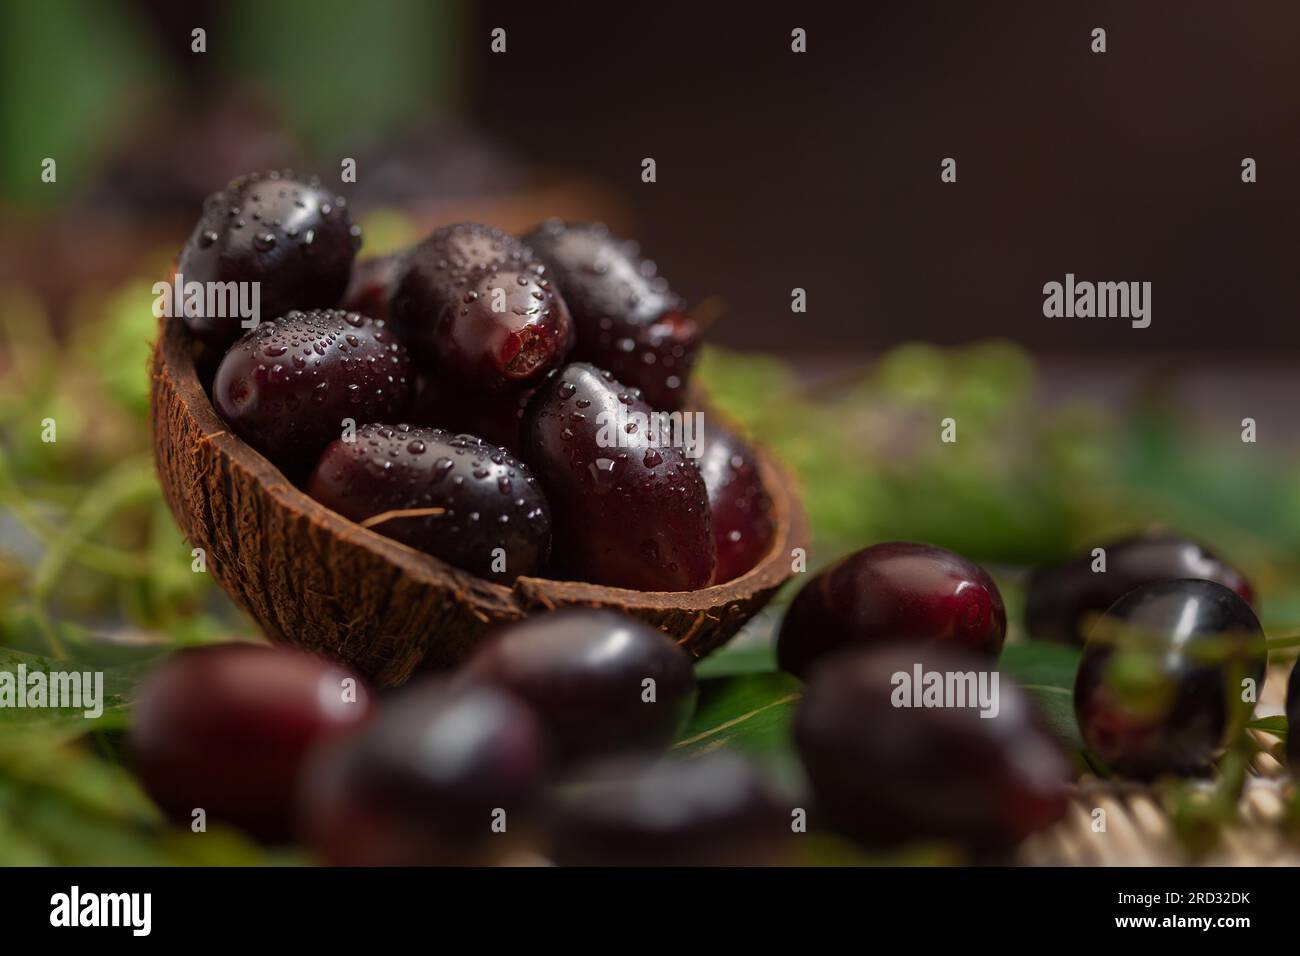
<point>1062,601</point>
<point>479,310</point>
<point>1159,688</point>
<point>287,387</point>
<point>1293,718</point>
<point>627,318</point>
<point>441,776</point>
<point>601,682</point>
<point>713,810</point>
<point>630,508</point>
<point>898,591</point>
<point>485,514</point>
<point>280,230</point>
<point>892,759</point>
<point>740,505</point>
<point>370,290</point>
<point>226,729</point>
<point>494,416</point>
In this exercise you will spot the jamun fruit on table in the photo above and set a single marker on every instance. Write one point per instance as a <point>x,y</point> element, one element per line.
<point>1063,600</point>
<point>627,318</point>
<point>288,387</point>
<point>279,229</point>
<point>453,496</point>
<point>477,309</point>
<point>898,591</point>
<point>711,810</point>
<point>629,508</point>
<point>600,681</point>
<point>442,776</point>
<point>1160,686</point>
<point>227,729</point>
<point>887,771</point>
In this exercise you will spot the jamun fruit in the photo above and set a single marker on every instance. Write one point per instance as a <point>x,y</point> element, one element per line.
<point>898,591</point>
<point>278,229</point>
<point>741,507</point>
<point>493,416</point>
<point>287,386</point>
<point>453,496</point>
<point>479,310</point>
<point>1062,601</point>
<point>976,768</point>
<point>441,776</point>
<point>599,681</point>
<point>227,728</point>
<point>712,810</point>
<point>1160,685</point>
<point>627,318</point>
<point>629,508</point>
<point>370,290</point>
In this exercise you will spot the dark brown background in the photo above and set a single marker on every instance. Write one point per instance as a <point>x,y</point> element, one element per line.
<point>822,170</point>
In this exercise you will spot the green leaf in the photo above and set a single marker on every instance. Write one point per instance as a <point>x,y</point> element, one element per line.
<point>122,669</point>
<point>1047,671</point>
<point>750,713</point>
<point>1275,725</point>
<point>62,805</point>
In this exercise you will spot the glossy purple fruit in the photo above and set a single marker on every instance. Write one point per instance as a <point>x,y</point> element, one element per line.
<point>479,310</point>
<point>627,318</point>
<point>585,672</point>
<point>486,513</point>
<point>442,776</point>
<point>713,810</point>
<point>898,591</point>
<point>494,416</point>
<point>370,290</point>
<point>227,729</point>
<point>288,386</point>
<point>630,508</point>
<point>278,229</point>
<point>740,505</point>
<point>885,773</point>
<point>1159,688</point>
<point>1062,601</point>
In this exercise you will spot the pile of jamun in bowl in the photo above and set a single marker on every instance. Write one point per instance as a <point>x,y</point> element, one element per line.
<point>408,450</point>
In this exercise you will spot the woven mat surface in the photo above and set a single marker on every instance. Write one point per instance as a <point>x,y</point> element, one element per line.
<point>1138,831</point>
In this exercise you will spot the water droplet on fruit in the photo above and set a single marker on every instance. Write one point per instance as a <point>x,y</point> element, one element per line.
<point>264,242</point>
<point>602,473</point>
<point>207,239</point>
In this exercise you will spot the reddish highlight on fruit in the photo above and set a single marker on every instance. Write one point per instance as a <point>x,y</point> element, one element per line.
<point>226,730</point>
<point>288,388</point>
<point>628,320</point>
<point>895,592</point>
<point>632,512</point>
